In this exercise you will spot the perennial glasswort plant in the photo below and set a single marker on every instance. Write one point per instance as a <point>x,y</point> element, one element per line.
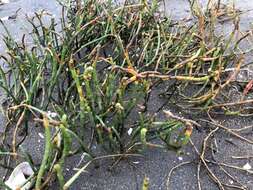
<point>97,68</point>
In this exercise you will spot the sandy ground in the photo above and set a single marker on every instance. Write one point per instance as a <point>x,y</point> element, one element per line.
<point>155,164</point>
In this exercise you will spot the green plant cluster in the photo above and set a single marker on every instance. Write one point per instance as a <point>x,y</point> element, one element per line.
<point>97,67</point>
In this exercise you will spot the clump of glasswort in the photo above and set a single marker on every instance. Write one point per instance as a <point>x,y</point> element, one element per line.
<point>99,68</point>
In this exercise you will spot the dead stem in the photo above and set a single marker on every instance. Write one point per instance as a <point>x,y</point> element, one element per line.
<point>172,170</point>
<point>90,77</point>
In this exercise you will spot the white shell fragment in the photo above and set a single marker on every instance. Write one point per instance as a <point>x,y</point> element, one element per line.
<point>51,114</point>
<point>5,18</point>
<point>19,177</point>
<point>247,166</point>
<point>41,135</point>
<point>4,1</point>
<point>130,130</point>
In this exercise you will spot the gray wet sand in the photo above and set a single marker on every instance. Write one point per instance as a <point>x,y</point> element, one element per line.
<point>155,164</point>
